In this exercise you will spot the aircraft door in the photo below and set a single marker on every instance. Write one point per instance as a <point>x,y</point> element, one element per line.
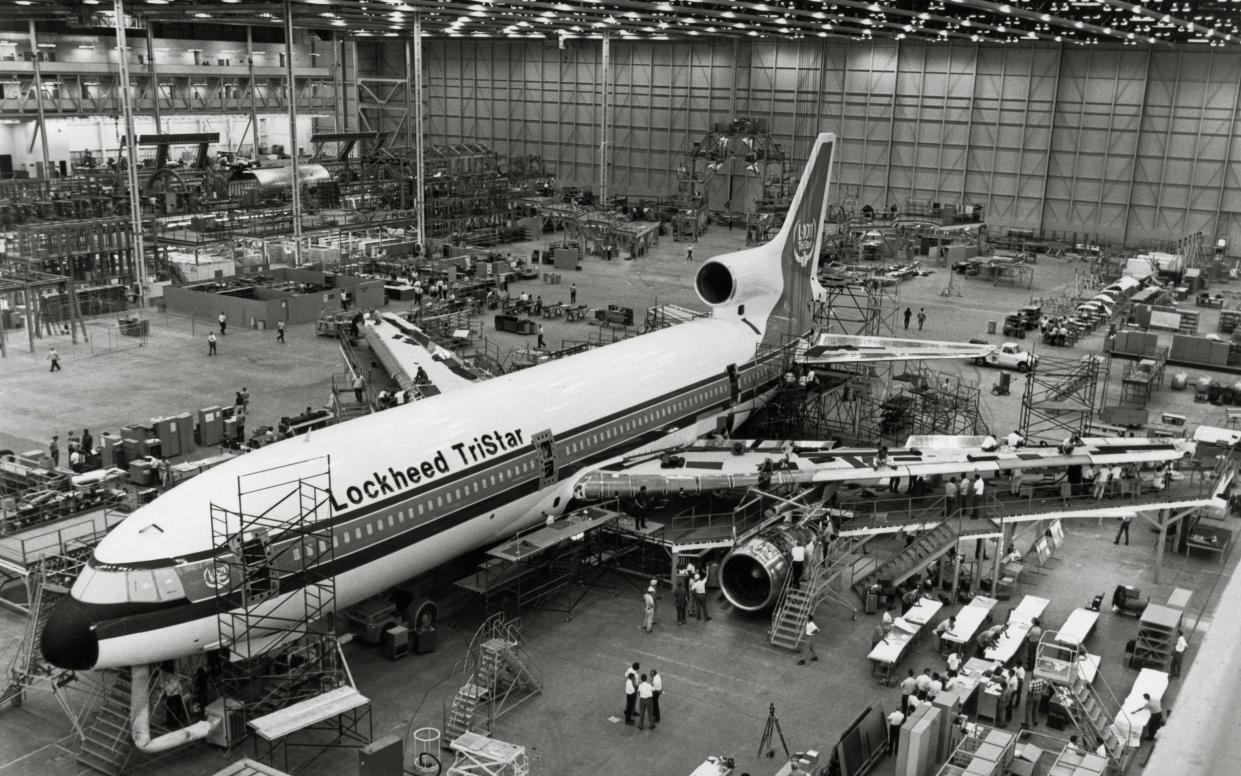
<point>545,448</point>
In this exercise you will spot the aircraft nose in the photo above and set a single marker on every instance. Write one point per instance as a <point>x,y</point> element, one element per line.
<point>69,637</point>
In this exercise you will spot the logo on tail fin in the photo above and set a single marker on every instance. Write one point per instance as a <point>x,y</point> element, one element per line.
<point>803,242</point>
<point>802,236</point>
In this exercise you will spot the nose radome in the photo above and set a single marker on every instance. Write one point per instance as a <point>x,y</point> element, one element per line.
<point>69,637</point>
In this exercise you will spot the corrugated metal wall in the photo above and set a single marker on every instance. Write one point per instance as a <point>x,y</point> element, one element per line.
<point>1126,143</point>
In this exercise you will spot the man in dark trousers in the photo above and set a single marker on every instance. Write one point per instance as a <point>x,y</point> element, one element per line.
<point>53,450</point>
<point>572,293</point>
<point>908,314</point>
<point>1124,529</point>
<point>223,319</point>
<point>680,597</point>
<point>657,689</point>
<point>541,344</point>
<point>211,341</point>
<point>641,504</point>
<point>280,332</point>
<point>631,697</point>
<point>53,357</point>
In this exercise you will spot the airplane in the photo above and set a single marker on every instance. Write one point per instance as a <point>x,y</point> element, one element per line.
<point>412,487</point>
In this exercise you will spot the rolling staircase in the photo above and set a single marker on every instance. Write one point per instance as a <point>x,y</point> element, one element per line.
<point>48,582</point>
<point>503,676</point>
<point>1091,708</point>
<point>911,560</point>
<point>108,742</point>
<point>798,603</point>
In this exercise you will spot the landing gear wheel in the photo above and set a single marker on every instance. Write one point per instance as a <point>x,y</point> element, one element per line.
<point>980,361</point>
<point>422,614</point>
<point>1023,367</point>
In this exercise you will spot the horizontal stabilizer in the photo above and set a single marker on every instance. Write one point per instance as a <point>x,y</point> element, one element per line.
<point>828,349</point>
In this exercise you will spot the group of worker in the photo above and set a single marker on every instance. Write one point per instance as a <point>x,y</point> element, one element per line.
<point>1057,331</point>
<point>642,693</point>
<point>81,450</point>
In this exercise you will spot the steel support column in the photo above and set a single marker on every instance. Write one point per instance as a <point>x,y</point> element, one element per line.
<point>131,147</point>
<point>1055,106</point>
<point>254,98</point>
<point>420,230</point>
<point>38,99</point>
<point>154,76</point>
<point>604,80</point>
<point>1137,143</point>
<point>292,89</point>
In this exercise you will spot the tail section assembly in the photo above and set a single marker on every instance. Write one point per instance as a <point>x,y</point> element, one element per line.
<point>773,286</point>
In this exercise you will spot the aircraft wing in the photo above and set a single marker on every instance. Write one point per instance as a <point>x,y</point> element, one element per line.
<point>828,349</point>
<point>706,467</point>
<point>402,348</point>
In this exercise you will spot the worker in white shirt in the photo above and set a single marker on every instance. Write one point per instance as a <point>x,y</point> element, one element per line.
<point>979,485</point>
<point>1156,719</point>
<point>657,689</point>
<point>807,641</point>
<point>631,695</point>
<point>645,693</point>
<point>989,444</point>
<point>799,561</point>
<point>895,720</point>
<point>954,681</point>
<point>944,628</point>
<point>1014,439</point>
<point>908,686</point>
<point>923,683</point>
<point>953,661</point>
<point>1178,652</point>
<point>935,687</point>
<point>648,608</point>
<point>699,588</point>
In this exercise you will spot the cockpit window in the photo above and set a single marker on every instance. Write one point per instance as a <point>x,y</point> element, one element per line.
<point>168,585</point>
<point>141,586</point>
<point>108,586</point>
<point>101,587</point>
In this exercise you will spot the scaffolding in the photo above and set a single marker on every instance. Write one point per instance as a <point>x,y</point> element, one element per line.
<point>274,554</point>
<point>1059,399</point>
<point>501,675</point>
<point>939,403</point>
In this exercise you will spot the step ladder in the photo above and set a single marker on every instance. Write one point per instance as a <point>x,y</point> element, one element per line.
<point>796,604</point>
<point>28,666</point>
<point>108,744</point>
<point>1090,710</point>
<point>461,715</point>
<point>911,560</point>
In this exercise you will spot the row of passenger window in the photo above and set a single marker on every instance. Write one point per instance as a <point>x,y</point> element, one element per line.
<point>433,503</point>
<point>645,421</point>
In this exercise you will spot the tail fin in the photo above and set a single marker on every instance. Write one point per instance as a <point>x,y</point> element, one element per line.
<point>800,240</point>
<point>772,287</point>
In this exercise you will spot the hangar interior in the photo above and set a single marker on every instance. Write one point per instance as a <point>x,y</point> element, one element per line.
<point>377,385</point>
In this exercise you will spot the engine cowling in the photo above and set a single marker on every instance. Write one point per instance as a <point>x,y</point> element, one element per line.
<point>753,574</point>
<point>737,279</point>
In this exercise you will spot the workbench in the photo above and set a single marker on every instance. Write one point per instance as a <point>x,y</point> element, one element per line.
<point>1129,725</point>
<point>1019,622</point>
<point>969,620</point>
<point>1077,627</point>
<point>892,648</point>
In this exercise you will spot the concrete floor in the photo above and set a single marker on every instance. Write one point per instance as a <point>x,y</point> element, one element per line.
<point>719,676</point>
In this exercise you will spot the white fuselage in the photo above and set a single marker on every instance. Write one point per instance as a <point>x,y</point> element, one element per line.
<point>417,485</point>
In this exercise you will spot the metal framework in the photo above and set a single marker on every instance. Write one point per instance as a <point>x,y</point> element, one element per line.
<point>277,602</point>
<point>1059,398</point>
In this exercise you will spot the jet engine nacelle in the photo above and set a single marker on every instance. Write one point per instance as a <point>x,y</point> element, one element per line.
<point>738,278</point>
<point>753,574</point>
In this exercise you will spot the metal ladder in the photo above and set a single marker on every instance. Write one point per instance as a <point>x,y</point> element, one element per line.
<point>796,604</point>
